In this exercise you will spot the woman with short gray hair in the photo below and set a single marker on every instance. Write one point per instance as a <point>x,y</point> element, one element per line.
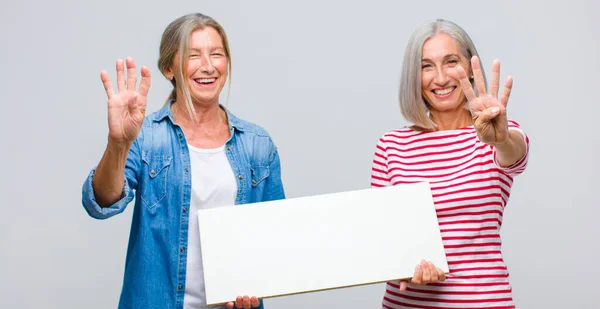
<point>463,144</point>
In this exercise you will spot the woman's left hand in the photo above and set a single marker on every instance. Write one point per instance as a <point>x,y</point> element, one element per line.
<point>489,112</point>
<point>244,302</point>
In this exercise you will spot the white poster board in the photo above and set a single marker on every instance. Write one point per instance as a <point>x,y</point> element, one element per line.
<point>319,242</point>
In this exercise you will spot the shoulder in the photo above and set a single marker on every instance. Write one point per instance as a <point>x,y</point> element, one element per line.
<point>248,128</point>
<point>402,135</point>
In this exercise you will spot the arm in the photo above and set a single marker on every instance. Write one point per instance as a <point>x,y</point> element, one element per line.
<point>379,169</point>
<point>110,174</point>
<point>107,190</point>
<point>109,187</point>
<point>274,186</point>
<point>513,150</point>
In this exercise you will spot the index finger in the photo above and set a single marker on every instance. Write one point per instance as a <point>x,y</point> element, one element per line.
<point>110,92</point>
<point>478,75</point>
<point>131,74</point>
<point>255,302</point>
<point>495,82</point>
<point>465,84</point>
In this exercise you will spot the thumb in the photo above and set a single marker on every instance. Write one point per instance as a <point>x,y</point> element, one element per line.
<point>403,285</point>
<point>488,114</point>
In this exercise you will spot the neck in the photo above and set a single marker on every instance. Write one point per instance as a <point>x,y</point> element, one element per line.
<point>451,120</point>
<point>206,115</point>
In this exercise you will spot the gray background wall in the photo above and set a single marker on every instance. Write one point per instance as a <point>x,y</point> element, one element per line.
<point>322,77</point>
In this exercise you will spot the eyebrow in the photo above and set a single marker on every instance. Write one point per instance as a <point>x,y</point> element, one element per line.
<point>445,57</point>
<point>211,49</point>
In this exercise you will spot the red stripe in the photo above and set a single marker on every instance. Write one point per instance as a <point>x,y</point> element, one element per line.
<point>487,204</point>
<point>436,307</point>
<point>471,213</point>
<point>483,244</point>
<point>452,143</point>
<point>476,229</point>
<point>466,253</point>
<point>473,221</point>
<point>454,301</point>
<point>485,163</point>
<point>457,292</point>
<point>485,188</point>
<point>471,237</point>
<point>442,168</point>
<point>425,139</point>
<point>373,177</point>
<point>456,270</point>
<point>431,161</point>
<point>475,261</point>
<point>490,276</point>
<point>428,154</point>
<point>473,181</point>
<point>469,198</point>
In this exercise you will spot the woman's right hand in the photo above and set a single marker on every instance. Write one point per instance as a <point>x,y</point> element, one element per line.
<point>127,108</point>
<point>425,273</point>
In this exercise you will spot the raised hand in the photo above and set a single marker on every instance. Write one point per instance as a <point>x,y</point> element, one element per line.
<point>127,108</point>
<point>489,112</point>
<point>244,302</point>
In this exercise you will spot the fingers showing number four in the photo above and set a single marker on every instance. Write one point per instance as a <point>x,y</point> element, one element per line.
<point>128,84</point>
<point>467,87</point>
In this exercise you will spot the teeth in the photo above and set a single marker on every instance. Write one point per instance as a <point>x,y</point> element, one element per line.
<point>206,80</point>
<point>443,91</point>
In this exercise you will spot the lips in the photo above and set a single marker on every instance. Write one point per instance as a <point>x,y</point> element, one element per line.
<point>443,92</point>
<point>205,81</point>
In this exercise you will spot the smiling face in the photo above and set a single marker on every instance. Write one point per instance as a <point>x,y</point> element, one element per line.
<point>205,68</point>
<point>440,84</point>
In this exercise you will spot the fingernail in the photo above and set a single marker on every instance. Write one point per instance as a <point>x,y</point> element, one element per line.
<point>495,110</point>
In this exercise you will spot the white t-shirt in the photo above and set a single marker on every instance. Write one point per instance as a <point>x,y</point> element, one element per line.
<point>213,185</point>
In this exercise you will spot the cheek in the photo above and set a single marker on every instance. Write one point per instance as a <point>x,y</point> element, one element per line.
<point>193,66</point>
<point>221,65</point>
<point>426,78</point>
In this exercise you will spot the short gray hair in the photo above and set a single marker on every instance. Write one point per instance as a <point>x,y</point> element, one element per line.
<point>412,105</point>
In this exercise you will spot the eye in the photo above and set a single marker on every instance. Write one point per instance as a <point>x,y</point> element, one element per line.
<point>452,62</point>
<point>425,65</point>
<point>194,55</point>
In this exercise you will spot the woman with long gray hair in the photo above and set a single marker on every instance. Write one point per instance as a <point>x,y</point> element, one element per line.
<point>191,154</point>
<point>463,144</point>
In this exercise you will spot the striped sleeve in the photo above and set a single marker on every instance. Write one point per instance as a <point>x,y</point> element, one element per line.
<point>520,166</point>
<point>379,171</point>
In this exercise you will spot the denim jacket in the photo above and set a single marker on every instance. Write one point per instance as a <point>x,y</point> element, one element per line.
<point>157,174</point>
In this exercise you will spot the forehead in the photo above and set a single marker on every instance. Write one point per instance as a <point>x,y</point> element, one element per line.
<point>440,46</point>
<point>205,37</point>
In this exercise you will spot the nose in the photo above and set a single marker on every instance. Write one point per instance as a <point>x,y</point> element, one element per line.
<point>206,65</point>
<point>441,76</point>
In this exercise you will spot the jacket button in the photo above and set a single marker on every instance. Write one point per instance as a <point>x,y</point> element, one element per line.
<point>187,170</point>
<point>180,135</point>
<point>152,172</point>
<point>181,249</point>
<point>180,288</point>
<point>229,148</point>
<point>253,181</point>
<point>185,210</point>
<point>241,177</point>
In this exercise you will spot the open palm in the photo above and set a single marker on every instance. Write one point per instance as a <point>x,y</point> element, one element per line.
<point>127,108</point>
<point>489,112</point>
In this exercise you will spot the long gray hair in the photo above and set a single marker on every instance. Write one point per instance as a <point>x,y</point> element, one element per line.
<point>175,41</point>
<point>412,104</point>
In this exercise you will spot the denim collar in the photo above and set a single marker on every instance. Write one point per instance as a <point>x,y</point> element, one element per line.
<point>165,111</point>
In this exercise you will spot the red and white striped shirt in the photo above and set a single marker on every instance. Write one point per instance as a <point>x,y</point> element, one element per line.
<point>470,191</point>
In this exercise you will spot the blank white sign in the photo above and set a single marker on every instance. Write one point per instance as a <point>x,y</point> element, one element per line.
<point>319,242</point>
